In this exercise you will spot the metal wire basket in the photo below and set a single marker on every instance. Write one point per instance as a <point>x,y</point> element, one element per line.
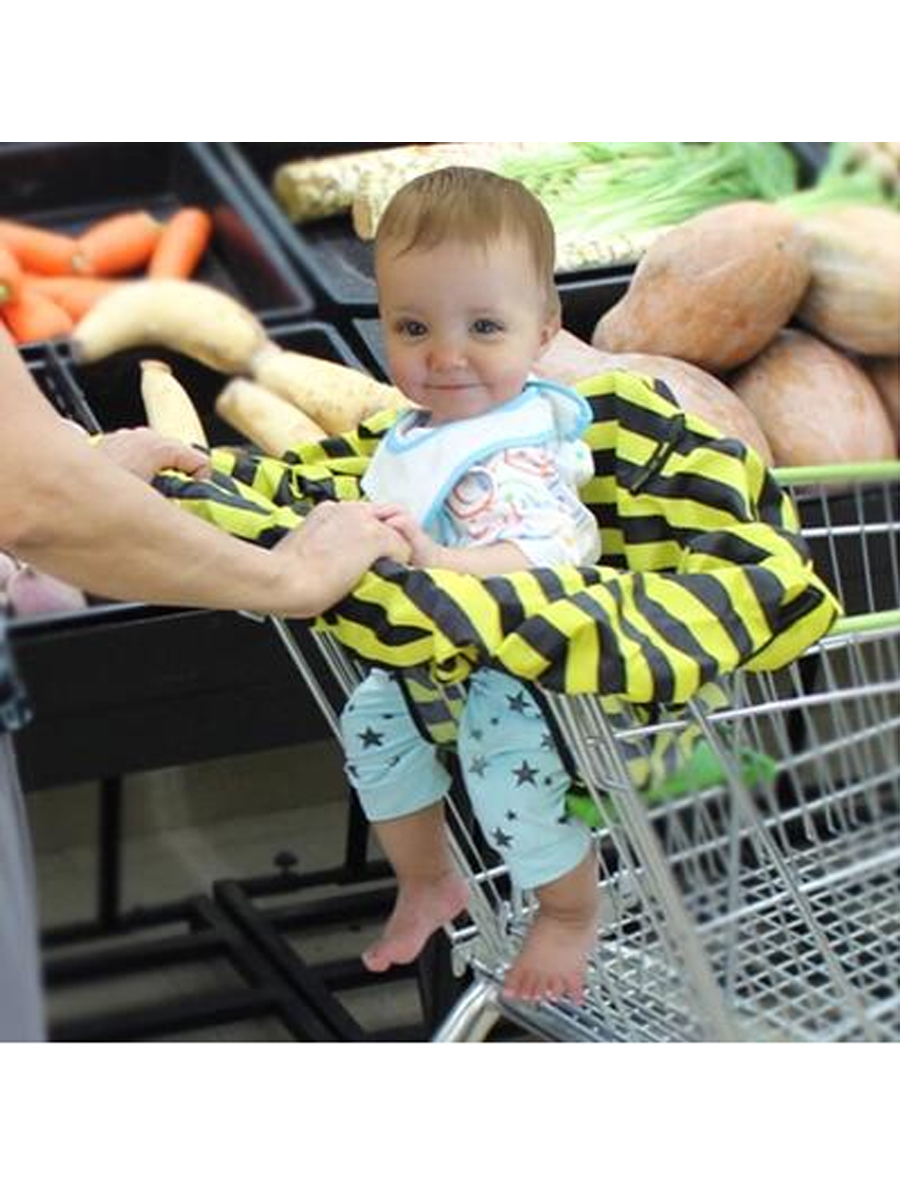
<point>763,901</point>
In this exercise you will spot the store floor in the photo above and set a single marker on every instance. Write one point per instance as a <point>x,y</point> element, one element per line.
<point>185,829</point>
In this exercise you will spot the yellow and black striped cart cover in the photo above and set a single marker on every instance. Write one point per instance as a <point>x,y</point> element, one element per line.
<point>703,568</point>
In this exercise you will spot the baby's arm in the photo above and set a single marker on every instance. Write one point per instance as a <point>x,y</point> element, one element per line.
<point>483,561</point>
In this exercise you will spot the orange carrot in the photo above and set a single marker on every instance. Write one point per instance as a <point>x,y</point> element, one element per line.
<point>10,275</point>
<point>181,245</point>
<point>117,245</point>
<point>77,294</point>
<point>38,250</point>
<point>35,318</point>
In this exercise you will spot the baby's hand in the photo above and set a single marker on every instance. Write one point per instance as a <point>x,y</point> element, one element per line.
<point>424,551</point>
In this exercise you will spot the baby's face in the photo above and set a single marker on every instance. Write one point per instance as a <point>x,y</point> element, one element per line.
<point>463,325</point>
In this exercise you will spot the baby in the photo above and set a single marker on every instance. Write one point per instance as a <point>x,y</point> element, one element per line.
<point>481,478</point>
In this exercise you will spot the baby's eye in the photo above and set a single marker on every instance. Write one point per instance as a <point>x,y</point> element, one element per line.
<point>411,329</point>
<point>484,325</point>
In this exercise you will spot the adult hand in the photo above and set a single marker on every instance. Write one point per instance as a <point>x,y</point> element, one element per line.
<point>334,547</point>
<point>145,453</point>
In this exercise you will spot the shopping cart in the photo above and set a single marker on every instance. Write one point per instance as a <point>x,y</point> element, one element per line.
<point>762,900</point>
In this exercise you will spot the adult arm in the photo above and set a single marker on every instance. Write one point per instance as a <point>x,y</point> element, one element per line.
<point>75,513</point>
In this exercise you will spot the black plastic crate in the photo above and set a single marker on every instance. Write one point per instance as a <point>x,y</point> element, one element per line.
<point>66,186</point>
<point>327,253</point>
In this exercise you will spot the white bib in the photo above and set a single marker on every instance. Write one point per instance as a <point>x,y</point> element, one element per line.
<point>418,465</point>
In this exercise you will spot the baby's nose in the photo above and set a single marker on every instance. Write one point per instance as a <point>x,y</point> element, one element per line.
<point>447,355</point>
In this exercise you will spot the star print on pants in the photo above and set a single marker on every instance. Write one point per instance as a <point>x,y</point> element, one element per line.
<point>518,703</point>
<point>369,737</point>
<point>525,774</point>
<point>478,766</point>
<point>502,839</point>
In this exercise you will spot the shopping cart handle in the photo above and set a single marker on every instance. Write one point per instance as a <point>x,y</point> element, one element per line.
<point>865,623</point>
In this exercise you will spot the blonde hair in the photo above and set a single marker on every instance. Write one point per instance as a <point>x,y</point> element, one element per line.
<point>470,205</point>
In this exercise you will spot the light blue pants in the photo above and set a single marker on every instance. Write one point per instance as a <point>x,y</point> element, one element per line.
<point>514,776</point>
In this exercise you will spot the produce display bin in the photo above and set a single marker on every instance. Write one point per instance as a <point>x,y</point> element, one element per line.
<point>66,186</point>
<point>337,264</point>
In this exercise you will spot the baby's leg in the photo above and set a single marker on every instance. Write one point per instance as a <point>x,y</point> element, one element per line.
<point>551,963</point>
<point>518,785</point>
<point>400,783</point>
<point>430,890</point>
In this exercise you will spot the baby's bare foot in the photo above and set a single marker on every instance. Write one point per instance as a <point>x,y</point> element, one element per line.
<point>421,908</point>
<point>551,964</point>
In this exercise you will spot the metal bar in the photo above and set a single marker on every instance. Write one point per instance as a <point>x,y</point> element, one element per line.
<point>473,1016</point>
<point>289,965</point>
<point>182,1016</point>
<point>851,473</point>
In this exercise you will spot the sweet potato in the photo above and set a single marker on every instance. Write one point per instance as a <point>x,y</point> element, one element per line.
<point>714,291</point>
<point>569,360</point>
<point>815,405</point>
<point>885,375</point>
<point>853,299</point>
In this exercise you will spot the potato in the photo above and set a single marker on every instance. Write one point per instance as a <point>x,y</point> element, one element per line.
<point>815,405</point>
<point>715,290</point>
<point>569,360</point>
<point>853,299</point>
